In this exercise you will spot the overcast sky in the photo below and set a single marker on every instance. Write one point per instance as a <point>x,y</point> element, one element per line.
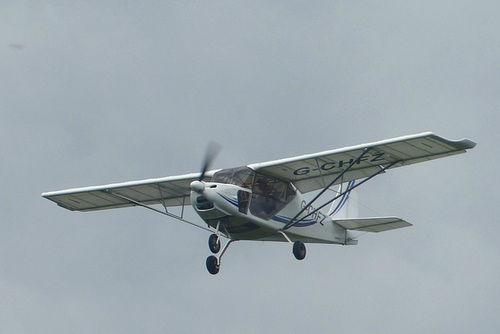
<point>101,92</point>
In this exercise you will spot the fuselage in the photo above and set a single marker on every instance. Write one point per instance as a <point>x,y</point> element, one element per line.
<point>245,205</point>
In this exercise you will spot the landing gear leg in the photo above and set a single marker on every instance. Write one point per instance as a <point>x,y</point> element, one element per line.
<point>299,249</point>
<point>213,263</point>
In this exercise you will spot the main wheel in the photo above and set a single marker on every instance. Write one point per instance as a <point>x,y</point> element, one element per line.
<point>212,265</point>
<point>299,250</point>
<point>214,243</point>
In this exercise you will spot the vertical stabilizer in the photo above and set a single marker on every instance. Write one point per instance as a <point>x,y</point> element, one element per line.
<point>345,206</point>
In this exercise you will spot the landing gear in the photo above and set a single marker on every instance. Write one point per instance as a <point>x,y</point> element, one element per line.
<point>213,262</point>
<point>299,250</point>
<point>213,265</point>
<point>214,243</point>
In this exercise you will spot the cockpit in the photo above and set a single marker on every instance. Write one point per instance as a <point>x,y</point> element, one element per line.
<point>266,196</point>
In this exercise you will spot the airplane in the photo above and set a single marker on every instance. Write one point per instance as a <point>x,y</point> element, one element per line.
<point>266,201</point>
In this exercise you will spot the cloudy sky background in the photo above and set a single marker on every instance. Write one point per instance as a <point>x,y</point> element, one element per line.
<point>104,92</point>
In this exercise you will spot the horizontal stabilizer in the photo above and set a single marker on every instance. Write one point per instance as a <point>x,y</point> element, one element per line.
<point>372,224</point>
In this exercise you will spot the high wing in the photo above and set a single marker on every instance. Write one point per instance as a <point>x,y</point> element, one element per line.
<point>372,224</point>
<point>315,171</point>
<point>167,191</point>
<point>306,172</point>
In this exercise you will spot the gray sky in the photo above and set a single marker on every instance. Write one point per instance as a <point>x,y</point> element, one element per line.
<point>99,92</point>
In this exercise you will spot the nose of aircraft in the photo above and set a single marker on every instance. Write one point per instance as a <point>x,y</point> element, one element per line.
<point>197,186</point>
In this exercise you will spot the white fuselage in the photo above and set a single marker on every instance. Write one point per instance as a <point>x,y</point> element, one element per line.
<point>245,215</point>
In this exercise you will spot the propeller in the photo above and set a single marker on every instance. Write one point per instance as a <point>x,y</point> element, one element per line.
<point>213,149</point>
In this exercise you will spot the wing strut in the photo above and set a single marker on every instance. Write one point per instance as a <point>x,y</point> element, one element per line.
<point>382,170</point>
<point>293,222</point>
<point>166,213</point>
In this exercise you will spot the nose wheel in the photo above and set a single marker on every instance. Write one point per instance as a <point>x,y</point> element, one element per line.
<point>214,243</point>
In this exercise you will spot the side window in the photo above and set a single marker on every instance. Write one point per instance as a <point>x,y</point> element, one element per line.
<point>243,201</point>
<point>270,196</point>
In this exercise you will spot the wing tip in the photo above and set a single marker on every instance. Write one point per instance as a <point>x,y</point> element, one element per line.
<point>464,143</point>
<point>469,144</point>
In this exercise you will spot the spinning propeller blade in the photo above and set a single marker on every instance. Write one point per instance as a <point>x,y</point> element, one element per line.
<point>213,149</point>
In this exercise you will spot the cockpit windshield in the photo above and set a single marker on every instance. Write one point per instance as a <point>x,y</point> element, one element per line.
<point>242,176</point>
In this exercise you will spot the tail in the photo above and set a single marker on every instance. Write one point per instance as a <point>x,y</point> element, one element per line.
<point>345,206</point>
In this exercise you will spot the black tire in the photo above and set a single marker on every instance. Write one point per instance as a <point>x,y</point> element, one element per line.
<point>299,250</point>
<point>212,265</point>
<point>214,243</point>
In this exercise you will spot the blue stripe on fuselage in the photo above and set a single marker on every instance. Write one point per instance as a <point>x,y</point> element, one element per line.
<point>229,199</point>
<point>286,220</point>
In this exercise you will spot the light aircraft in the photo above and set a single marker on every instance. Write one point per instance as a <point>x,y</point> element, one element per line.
<point>265,201</point>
